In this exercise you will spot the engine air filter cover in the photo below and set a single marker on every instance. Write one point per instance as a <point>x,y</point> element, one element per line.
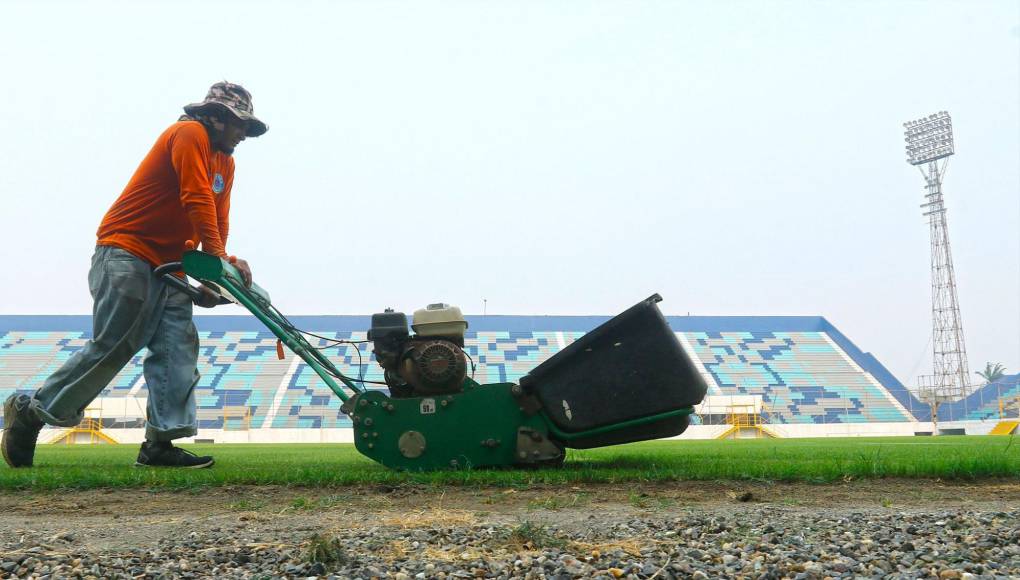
<point>387,325</point>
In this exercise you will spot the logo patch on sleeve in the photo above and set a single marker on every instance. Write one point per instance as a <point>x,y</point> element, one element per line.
<point>217,183</point>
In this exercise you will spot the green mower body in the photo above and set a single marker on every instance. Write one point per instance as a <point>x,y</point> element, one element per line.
<point>627,380</point>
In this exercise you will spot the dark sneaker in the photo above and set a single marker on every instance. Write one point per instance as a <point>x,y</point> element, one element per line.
<point>164,454</point>
<point>21,431</point>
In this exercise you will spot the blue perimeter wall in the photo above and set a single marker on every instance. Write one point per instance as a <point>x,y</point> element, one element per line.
<point>495,323</point>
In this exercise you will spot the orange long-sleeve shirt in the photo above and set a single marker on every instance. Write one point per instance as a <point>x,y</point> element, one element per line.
<point>180,192</point>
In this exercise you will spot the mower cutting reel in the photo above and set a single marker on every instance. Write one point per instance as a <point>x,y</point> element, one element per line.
<point>627,380</point>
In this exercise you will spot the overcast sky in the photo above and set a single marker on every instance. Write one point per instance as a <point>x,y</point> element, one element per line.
<point>740,158</point>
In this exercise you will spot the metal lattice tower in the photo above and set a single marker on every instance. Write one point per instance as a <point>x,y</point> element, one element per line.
<point>929,145</point>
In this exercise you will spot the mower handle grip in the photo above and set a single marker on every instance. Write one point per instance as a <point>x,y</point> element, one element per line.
<point>166,273</point>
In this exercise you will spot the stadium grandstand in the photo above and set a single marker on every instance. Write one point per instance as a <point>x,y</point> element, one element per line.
<point>777,376</point>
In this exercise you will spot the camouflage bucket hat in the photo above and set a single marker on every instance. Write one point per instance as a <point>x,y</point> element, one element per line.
<point>236,100</point>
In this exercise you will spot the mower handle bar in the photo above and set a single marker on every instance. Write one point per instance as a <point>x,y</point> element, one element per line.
<point>165,273</point>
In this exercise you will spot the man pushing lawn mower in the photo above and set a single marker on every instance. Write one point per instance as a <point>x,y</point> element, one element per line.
<point>180,193</point>
<point>627,380</point>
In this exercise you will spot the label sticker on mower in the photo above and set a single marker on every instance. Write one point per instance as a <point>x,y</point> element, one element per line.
<point>428,406</point>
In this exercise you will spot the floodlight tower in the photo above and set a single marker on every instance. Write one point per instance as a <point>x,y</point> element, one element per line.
<point>929,145</point>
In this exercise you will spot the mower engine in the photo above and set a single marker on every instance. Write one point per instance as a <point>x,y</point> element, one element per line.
<point>432,361</point>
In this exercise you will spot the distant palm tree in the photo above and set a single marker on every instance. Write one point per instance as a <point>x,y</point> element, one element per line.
<point>992,373</point>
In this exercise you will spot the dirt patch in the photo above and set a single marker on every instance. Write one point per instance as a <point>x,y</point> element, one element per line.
<point>236,531</point>
<point>412,506</point>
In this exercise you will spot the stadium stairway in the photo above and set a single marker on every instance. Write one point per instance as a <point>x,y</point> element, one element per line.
<point>1004,428</point>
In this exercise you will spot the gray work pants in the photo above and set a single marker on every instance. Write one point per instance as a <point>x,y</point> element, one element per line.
<point>131,309</point>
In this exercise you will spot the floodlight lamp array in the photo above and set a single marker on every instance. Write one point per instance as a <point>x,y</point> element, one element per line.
<point>928,138</point>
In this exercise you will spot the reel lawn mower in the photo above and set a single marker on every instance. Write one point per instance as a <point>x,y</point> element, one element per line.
<point>627,380</point>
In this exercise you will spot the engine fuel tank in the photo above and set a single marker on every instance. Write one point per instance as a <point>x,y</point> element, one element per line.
<point>439,320</point>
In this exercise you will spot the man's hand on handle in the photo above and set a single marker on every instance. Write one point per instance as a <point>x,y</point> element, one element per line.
<point>242,267</point>
<point>209,297</point>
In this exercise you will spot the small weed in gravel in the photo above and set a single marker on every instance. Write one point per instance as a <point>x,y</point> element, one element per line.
<point>529,535</point>
<point>327,551</point>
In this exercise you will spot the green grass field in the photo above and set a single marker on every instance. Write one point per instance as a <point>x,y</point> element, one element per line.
<point>804,460</point>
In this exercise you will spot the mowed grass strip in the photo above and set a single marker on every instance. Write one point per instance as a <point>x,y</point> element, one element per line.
<point>803,460</point>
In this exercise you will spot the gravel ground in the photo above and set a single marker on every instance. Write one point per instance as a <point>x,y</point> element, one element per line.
<point>753,532</point>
